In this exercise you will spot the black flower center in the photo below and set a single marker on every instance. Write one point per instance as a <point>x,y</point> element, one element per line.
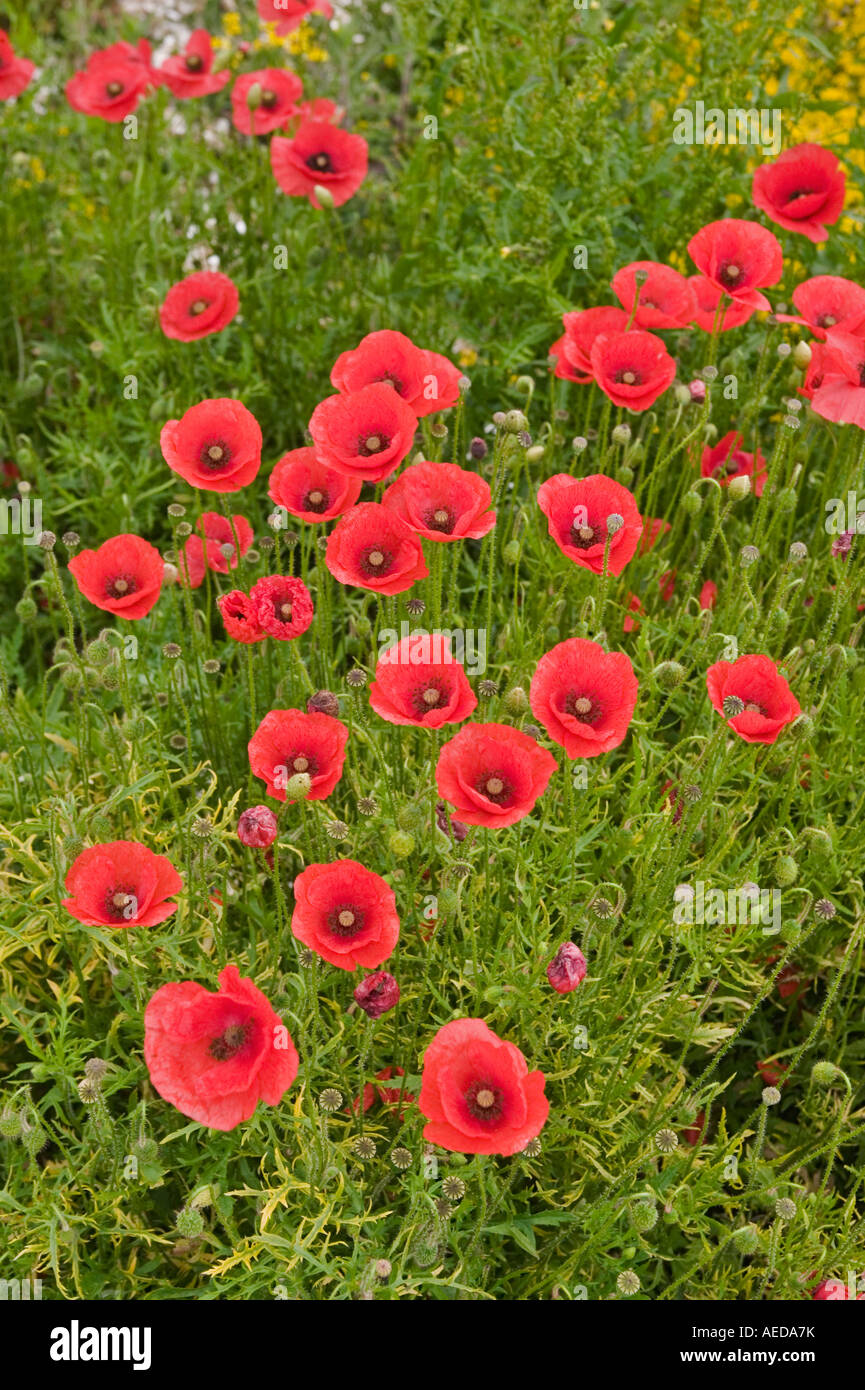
<point>375,560</point>
<point>585,708</point>
<point>372,444</point>
<point>216,455</point>
<point>315,501</point>
<point>346,920</point>
<point>121,903</point>
<point>731,275</point>
<point>198,307</point>
<point>495,787</point>
<point>269,98</point>
<point>585,536</point>
<point>229,1043</point>
<point>429,696</point>
<point>484,1101</point>
<point>826,320</point>
<point>440,519</point>
<point>114,89</point>
<point>194,62</point>
<point>628,377</point>
<point>121,586</point>
<point>320,163</point>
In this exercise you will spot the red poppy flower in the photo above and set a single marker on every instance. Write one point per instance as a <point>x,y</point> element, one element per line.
<point>190,73</point>
<point>667,585</point>
<point>492,774</point>
<point>739,258</point>
<point>281,606</point>
<point>567,969</point>
<point>772,1071</point>
<point>442,501</point>
<point>287,741</point>
<point>387,1095</point>
<point>708,296</point>
<point>653,528</point>
<point>257,827</point>
<point>319,155</point>
<point>666,299</point>
<point>632,368</point>
<point>345,913</point>
<point>280,92</point>
<point>802,190</point>
<point>831,1291</point>
<point>288,15</point>
<point>582,327</point>
<point>113,81</point>
<point>203,303</point>
<point>214,1056</point>
<point>366,433</point>
<point>239,617</point>
<point>310,489</point>
<point>426,381</point>
<point>418,681</point>
<point>15,73</point>
<point>695,1133</point>
<point>840,395</point>
<point>318,109</point>
<point>815,371</point>
<point>204,551</point>
<point>708,595</point>
<point>727,460</point>
<point>217,445</point>
<point>577,510</point>
<point>477,1092</point>
<point>756,683</point>
<point>377,994</point>
<point>371,547</point>
<point>584,697</point>
<point>121,884</point>
<point>828,301</point>
<point>124,576</point>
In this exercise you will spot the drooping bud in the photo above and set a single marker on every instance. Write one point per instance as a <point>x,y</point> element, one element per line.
<point>323,702</point>
<point>567,970</point>
<point>377,993</point>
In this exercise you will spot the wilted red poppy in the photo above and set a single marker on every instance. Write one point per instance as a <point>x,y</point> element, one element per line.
<point>216,445</point>
<point>826,302</point>
<point>567,969</point>
<point>371,547</point>
<point>281,606</point>
<point>288,741</point>
<point>708,296</point>
<point>840,396</point>
<point>15,73</point>
<point>755,683</point>
<point>727,460</point>
<point>377,994</point>
<point>310,489</point>
<point>190,73</point>
<point>419,681</point>
<point>739,258</point>
<point>113,81</point>
<point>319,155</point>
<point>214,1056</point>
<point>442,501</point>
<point>425,380</point>
<point>257,827</point>
<point>239,617</point>
<point>203,303</point>
<point>366,433</point>
<point>577,512</point>
<point>708,595</point>
<point>584,696</point>
<point>632,368</point>
<point>288,15</point>
<point>124,576</point>
<point>121,884</point>
<point>666,299</point>
<point>345,913</point>
<point>205,548</point>
<point>278,92</point>
<point>492,774</point>
<point>802,190</point>
<point>477,1092</point>
<point>582,327</point>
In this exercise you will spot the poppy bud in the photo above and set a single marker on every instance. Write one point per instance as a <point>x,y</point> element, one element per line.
<point>567,970</point>
<point>190,1222</point>
<point>644,1215</point>
<point>693,503</point>
<point>515,422</point>
<point>478,448</point>
<point>510,554</point>
<point>257,827</point>
<point>524,385</point>
<point>535,453</point>
<point>786,871</point>
<point>622,434</point>
<point>746,1239</point>
<point>825,1073</point>
<point>798,551</point>
<point>516,700</point>
<point>682,394</point>
<point>377,993</point>
<point>669,674</point>
<point>625,475</point>
<point>26,610</point>
<point>323,702</point>
<point>739,487</point>
<point>802,354</point>
<point>803,727</point>
<point>324,197</point>
<point>297,788</point>
<point>254,96</point>
<point>401,844</point>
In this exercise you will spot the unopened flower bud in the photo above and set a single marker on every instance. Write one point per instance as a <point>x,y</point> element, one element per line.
<point>297,788</point>
<point>323,702</point>
<point>377,993</point>
<point>739,487</point>
<point>567,969</point>
<point>802,354</point>
<point>257,827</point>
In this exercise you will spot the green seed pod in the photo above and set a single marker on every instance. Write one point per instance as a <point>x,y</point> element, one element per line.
<point>803,726</point>
<point>10,1124</point>
<point>401,844</point>
<point>693,503</point>
<point>71,678</point>
<point>511,552</point>
<point>669,674</point>
<point>625,475</point>
<point>786,871</point>
<point>746,1239</point>
<point>111,678</point>
<point>825,1073</point>
<point>26,609</point>
<point>98,651</point>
